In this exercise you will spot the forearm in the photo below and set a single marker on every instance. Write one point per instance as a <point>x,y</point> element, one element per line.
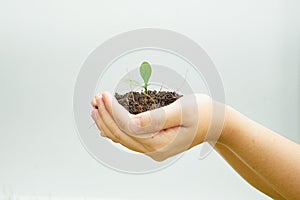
<point>273,157</point>
<point>246,172</point>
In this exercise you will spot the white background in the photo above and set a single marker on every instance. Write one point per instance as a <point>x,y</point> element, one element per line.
<point>254,45</point>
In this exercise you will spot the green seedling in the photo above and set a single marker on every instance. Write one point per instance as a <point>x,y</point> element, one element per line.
<point>145,72</point>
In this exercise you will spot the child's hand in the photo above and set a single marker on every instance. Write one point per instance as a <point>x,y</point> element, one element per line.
<point>160,133</point>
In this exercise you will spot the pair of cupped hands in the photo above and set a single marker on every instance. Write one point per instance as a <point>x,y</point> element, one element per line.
<point>159,133</point>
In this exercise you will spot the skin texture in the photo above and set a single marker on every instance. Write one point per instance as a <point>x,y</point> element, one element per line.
<point>246,171</point>
<point>268,161</point>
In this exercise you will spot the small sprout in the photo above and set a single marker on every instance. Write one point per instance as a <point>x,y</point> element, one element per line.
<point>145,72</point>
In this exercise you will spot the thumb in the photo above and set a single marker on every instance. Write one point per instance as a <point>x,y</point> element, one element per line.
<point>146,123</point>
<point>151,122</point>
<point>182,112</point>
<point>120,115</point>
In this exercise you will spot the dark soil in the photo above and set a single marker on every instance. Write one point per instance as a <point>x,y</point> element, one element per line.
<point>137,102</point>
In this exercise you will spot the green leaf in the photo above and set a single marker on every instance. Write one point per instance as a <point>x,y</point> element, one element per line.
<point>145,71</point>
<point>132,82</point>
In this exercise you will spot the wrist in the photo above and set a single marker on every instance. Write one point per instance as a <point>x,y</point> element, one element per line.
<point>228,128</point>
<point>215,121</point>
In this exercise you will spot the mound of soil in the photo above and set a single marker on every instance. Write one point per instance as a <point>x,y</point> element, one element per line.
<point>137,102</point>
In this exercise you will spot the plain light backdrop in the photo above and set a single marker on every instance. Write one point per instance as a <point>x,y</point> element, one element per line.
<point>254,45</point>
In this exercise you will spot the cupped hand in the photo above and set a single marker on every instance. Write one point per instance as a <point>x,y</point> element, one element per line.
<point>160,133</point>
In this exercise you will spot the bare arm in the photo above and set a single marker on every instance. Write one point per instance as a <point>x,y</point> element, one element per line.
<point>246,172</point>
<point>272,157</point>
<point>268,161</point>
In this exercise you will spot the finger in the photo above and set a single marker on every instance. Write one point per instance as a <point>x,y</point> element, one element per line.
<point>94,103</point>
<point>119,114</point>
<point>120,136</point>
<point>157,119</point>
<point>181,113</point>
<point>104,131</point>
<point>108,101</point>
<point>124,120</point>
<point>146,123</point>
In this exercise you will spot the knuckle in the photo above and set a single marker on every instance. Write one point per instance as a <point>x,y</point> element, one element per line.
<point>153,119</point>
<point>145,120</point>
